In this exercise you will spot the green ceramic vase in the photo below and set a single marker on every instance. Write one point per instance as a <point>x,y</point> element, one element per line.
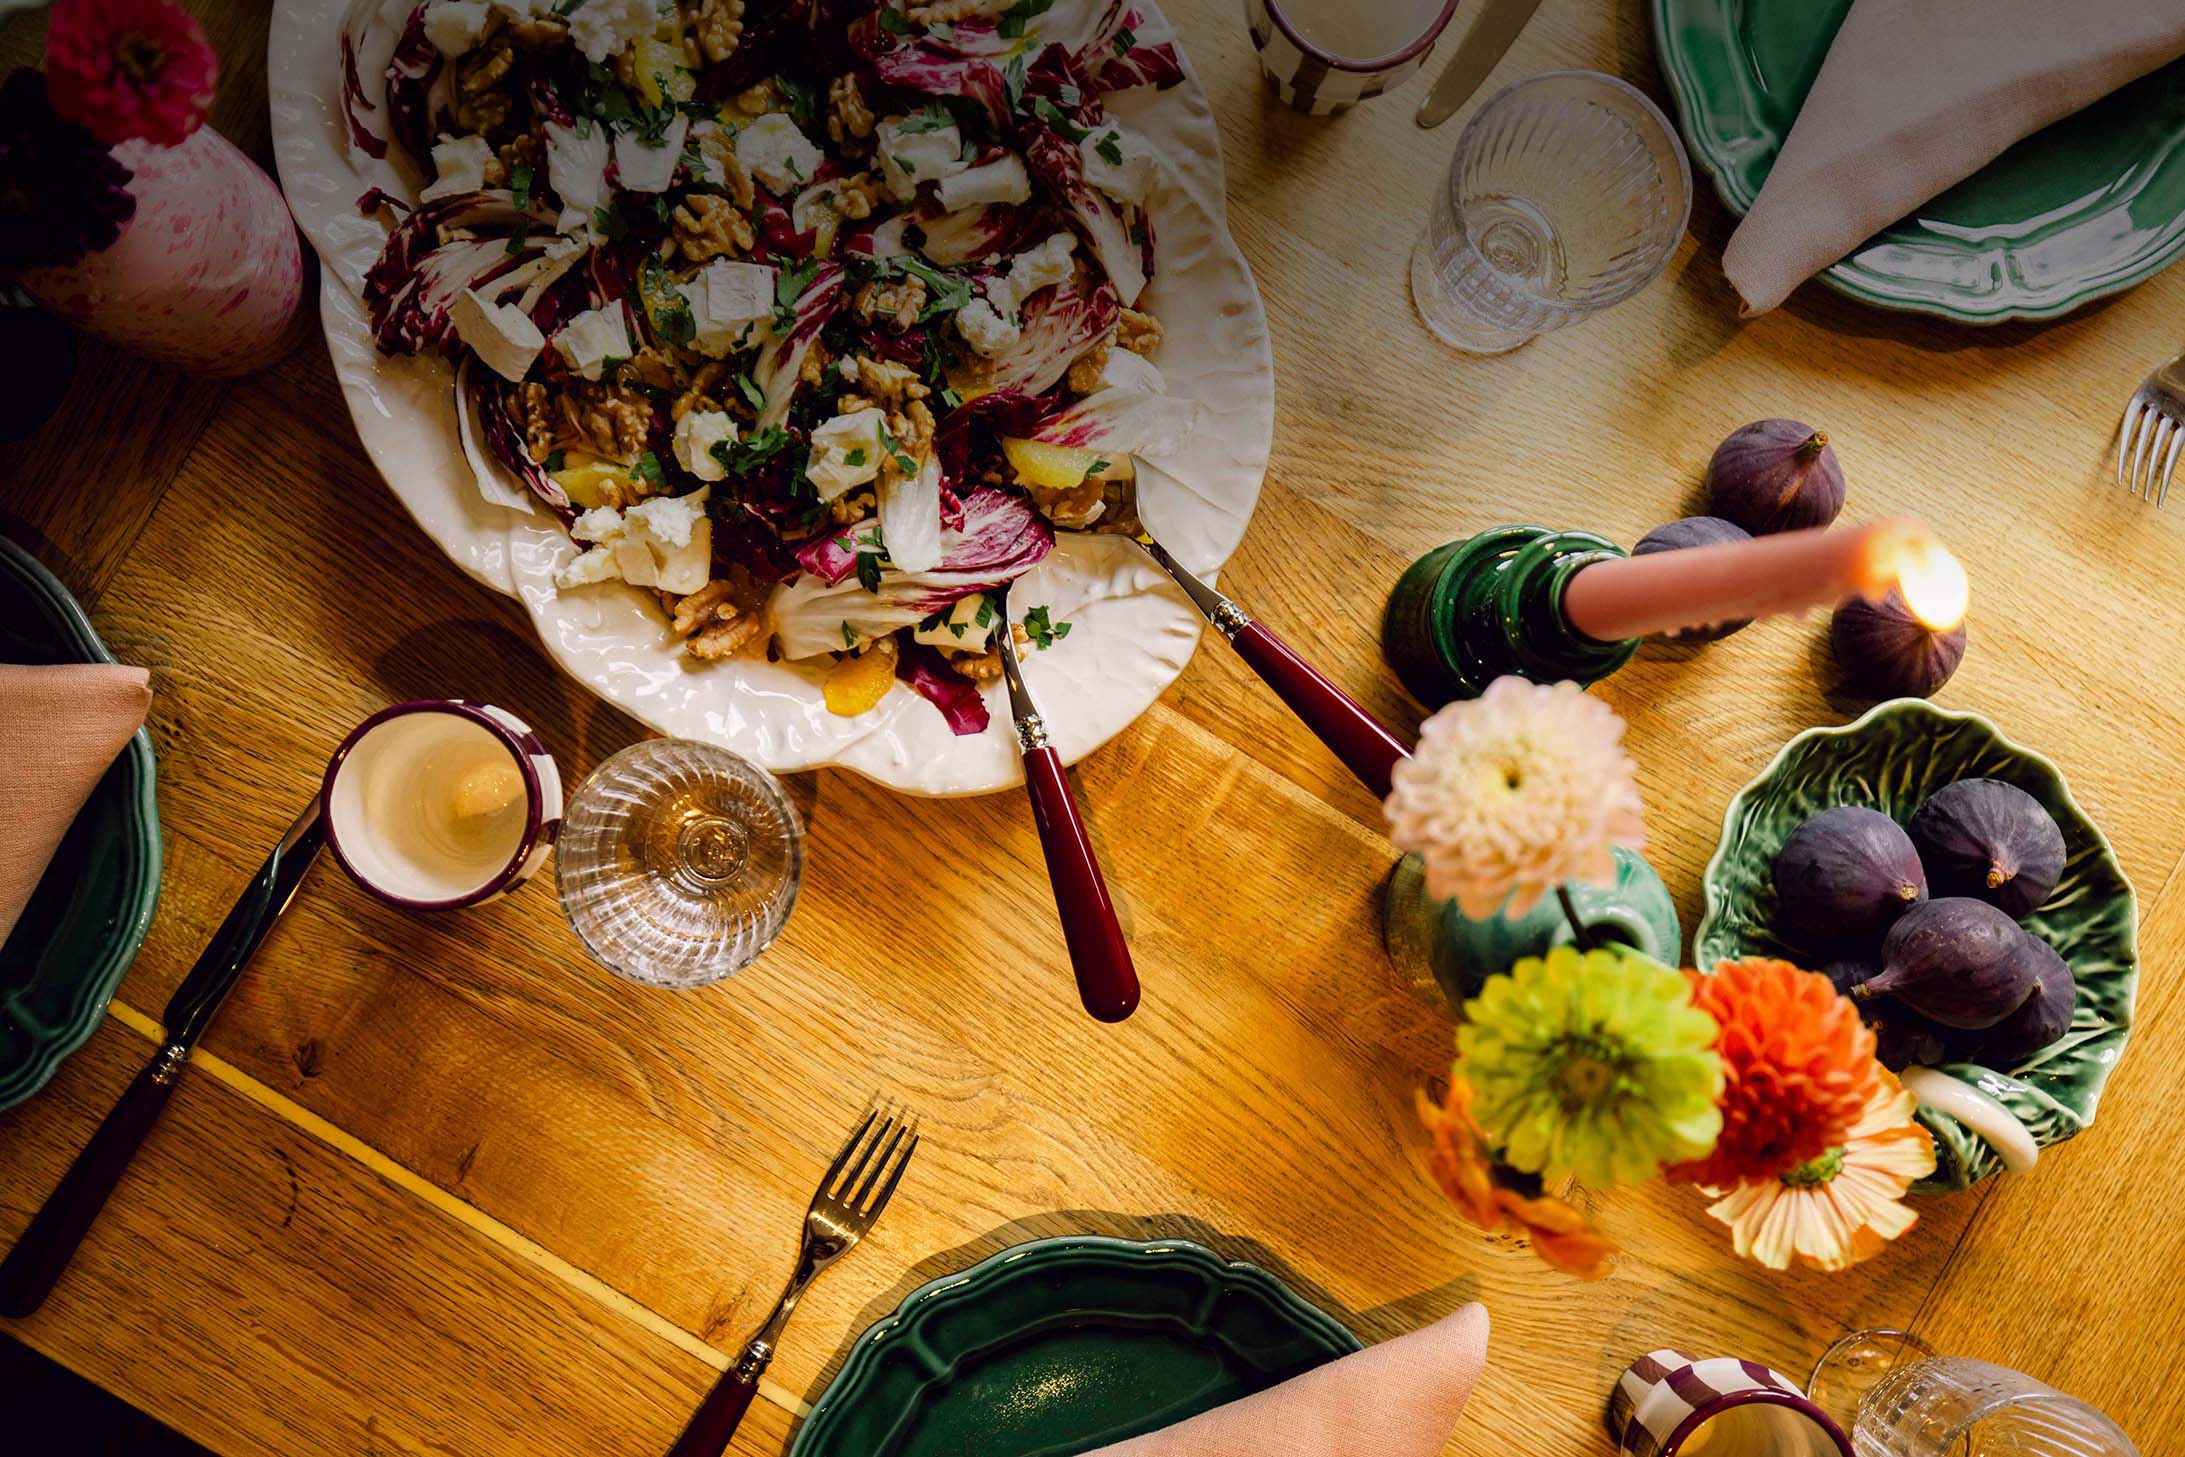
<point>1470,612</point>
<point>1436,944</point>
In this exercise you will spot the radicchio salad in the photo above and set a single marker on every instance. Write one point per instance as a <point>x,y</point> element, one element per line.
<point>815,317</point>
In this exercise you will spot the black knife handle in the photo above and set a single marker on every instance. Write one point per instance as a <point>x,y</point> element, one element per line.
<point>36,1263</point>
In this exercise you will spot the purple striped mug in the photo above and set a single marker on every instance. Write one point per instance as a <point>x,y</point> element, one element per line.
<point>1667,1402</point>
<point>1325,56</point>
<point>441,803</point>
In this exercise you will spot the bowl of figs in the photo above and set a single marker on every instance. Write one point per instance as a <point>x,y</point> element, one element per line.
<point>1944,878</point>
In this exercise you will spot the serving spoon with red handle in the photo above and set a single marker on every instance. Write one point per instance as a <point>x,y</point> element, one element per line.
<point>1365,745</point>
<point>1107,982</point>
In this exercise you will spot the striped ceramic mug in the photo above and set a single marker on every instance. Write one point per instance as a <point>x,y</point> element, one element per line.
<point>1666,1401</point>
<point>1325,56</point>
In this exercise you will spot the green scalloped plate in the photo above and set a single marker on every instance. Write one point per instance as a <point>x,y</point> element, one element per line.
<point>2087,208</point>
<point>1891,759</point>
<point>91,909</point>
<point>1062,1345</point>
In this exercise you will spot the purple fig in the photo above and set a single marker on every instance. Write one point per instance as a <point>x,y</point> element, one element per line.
<point>1846,972</point>
<point>1886,652</point>
<point>1775,475</point>
<point>1991,841</point>
<point>1694,531</point>
<point>1903,1037</point>
<point>1956,961</point>
<point>1845,875</point>
<point>2041,1018</point>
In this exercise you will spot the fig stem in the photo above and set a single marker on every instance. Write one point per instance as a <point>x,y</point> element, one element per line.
<point>1908,892</point>
<point>1580,935</point>
<point>1996,876</point>
<point>1815,444</point>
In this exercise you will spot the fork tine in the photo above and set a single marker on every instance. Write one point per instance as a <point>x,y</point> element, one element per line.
<point>887,1190</point>
<point>2147,421</point>
<point>2124,436</point>
<point>2169,466</point>
<point>833,1191</point>
<point>865,1190</point>
<point>2157,442</point>
<point>849,1145</point>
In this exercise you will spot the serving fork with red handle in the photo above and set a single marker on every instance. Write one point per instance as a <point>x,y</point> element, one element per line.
<point>1365,745</point>
<point>1107,982</point>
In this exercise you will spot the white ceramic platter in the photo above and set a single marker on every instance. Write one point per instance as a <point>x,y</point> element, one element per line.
<point>1131,631</point>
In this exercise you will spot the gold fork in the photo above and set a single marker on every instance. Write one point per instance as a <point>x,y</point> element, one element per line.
<point>841,1214</point>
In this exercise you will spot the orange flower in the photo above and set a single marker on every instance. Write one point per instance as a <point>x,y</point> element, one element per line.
<point>1798,1064</point>
<point>1462,1166</point>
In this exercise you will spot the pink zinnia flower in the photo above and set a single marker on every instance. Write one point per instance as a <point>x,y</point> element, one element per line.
<point>126,69</point>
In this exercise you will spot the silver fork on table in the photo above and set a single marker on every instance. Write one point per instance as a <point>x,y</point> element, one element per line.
<point>842,1213</point>
<point>2153,433</point>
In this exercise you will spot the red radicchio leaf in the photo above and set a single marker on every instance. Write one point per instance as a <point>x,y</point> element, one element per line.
<point>925,69</point>
<point>1003,412</point>
<point>410,73</point>
<point>927,672</point>
<point>778,236</point>
<point>354,104</point>
<point>506,443</point>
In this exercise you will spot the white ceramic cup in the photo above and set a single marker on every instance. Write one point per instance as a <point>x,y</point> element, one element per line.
<point>381,829</point>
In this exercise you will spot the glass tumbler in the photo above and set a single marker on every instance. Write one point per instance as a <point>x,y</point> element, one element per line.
<point>1568,193</point>
<point>1952,1407</point>
<point>678,862</point>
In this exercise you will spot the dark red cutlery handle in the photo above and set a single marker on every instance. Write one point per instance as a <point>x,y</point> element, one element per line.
<point>717,1416</point>
<point>1107,982</point>
<point>1360,740</point>
<point>35,1265</point>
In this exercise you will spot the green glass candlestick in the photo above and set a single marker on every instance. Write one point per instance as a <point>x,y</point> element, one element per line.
<point>1470,612</point>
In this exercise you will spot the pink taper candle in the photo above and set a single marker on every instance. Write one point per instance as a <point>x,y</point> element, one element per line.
<point>1636,596</point>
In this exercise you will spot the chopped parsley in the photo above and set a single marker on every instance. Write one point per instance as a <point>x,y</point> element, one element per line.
<point>1124,40</point>
<point>945,292</point>
<point>928,118</point>
<point>521,236</point>
<point>741,457</point>
<point>869,552</point>
<point>1012,81</point>
<point>803,100</point>
<point>648,470</point>
<point>894,21</point>
<point>1110,148</point>
<point>554,460</point>
<point>854,457</point>
<point>1051,114</point>
<point>903,462</point>
<point>1012,21</point>
<point>519,178</point>
<point>1098,467</point>
<point>610,222</point>
<point>1044,634</point>
<point>652,123</point>
<point>749,389</point>
<point>949,397</point>
<point>568,8</point>
<point>849,637</point>
<point>789,286</point>
<point>699,110</point>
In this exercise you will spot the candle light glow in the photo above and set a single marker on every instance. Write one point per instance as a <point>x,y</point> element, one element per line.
<point>1933,584</point>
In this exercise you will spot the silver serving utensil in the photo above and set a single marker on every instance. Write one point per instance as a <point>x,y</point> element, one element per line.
<point>1494,30</point>
<point>840,1215</point>
<point>31,1269</point>
<point>2153,433</point>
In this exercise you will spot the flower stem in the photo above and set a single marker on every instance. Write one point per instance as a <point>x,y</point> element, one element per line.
<point>1581,936</point>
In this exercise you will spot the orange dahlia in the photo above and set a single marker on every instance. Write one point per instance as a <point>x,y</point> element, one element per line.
<point>1468,1174</point>
<point>1798,1069</point>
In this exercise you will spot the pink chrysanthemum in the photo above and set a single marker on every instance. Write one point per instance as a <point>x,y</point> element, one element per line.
<point>126,69</point>
<point>1515,792</point>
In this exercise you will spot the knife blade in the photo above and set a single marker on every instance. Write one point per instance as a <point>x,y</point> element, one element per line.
<point>39,1258</point>
<point>1488,41</point>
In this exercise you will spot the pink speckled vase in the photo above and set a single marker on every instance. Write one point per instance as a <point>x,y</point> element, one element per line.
<point>207,276</point>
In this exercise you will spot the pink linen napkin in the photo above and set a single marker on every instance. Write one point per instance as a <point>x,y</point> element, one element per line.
<point>1401,1398</point>
<point>1916,96</point>
<point>60,727</point>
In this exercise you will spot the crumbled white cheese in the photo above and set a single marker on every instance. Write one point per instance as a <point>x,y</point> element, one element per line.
<point>603,28</point>
<point>912,150</point>
<point>1039,267</point>
<point>1133,171</point>
<point>642,166</point>
<point>710,140</point>
<point>1001,180</point>
<point>460,166</point>
<point>695,436</point>
<point>777,154</point>
<point>454,26</point>
<point>845,452</point>
<point>666,542</point>
<point>500,334</point>
<point>968,625</point>
<point>731,306</point>
<point>577,168</point>
<point>592,338</point>
<point>985,329</point>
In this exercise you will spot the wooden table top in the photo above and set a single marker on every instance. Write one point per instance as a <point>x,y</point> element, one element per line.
<point>441,1185</point>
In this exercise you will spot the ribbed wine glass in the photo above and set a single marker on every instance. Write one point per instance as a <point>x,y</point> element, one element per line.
<point>678,862</point>
<point>1568,193</point>
<point>1948,1406</point>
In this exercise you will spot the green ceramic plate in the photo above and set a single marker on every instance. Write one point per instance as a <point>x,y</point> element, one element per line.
<point>1891,760</point>
<point>89,914</point>
<point>2085,209</point>
<point>1063,1345</point>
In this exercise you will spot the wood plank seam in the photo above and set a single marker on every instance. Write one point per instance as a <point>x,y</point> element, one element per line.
<point>469,1216</point>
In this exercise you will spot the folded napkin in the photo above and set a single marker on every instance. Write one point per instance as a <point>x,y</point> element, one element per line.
<point>1401,1398</point>
<point>60,727</point>
<point>1917,95</point>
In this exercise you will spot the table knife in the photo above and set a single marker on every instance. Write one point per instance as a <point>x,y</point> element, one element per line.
<point>1107,981</point>
<point>31,1269</point>
<point>1492,34</point>
<point>1365,745</point>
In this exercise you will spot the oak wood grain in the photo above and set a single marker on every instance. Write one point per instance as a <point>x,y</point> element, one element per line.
<point>661,1148</point>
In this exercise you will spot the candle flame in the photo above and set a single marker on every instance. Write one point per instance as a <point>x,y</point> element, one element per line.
<point>1933,583</point>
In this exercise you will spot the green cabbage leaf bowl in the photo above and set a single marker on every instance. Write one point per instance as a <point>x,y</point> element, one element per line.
<point>1891,759</point>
